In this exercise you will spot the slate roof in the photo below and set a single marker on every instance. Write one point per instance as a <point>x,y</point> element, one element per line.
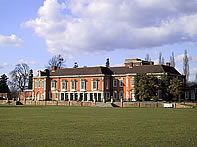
<point>113,70</point>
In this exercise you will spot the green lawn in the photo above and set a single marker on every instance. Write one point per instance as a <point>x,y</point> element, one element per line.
<point>88,126</point>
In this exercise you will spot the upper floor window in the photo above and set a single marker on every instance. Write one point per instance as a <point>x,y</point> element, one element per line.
<point>53,84</point>
<point>35,84</point>
<point>73,84</point>
<point>42,83</point>
<point>83,84</point>
<point>38,83</point>
<point>95,84</point>
<point>121,83</point>
<point>132,81</point>
<point>64,84</point>
<point>114,83</point>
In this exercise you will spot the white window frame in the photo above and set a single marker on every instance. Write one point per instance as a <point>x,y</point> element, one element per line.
<point>39,83</point>
<point>42,83</point>
<point>65,82</point>
<point>114,82</point>
<point>95,81</point>
<point>121,84</point>
<point>35,83</point>
<point>83,83</point>
<point>73,85</point>
<point>53,84</point>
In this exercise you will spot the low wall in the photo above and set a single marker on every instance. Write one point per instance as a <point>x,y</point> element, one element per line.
<point>92,104</point>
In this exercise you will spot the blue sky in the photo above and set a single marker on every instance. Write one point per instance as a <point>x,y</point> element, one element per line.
<point>89,31</point>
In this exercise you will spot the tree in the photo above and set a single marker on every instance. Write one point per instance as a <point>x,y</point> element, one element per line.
<point>146,87</point>
<point>147,58</point>
<point>160,58</point>
<point>75,65</point>
<point>56,60</point>
<point>107,62</point>
<point>172,60</point>
<point>176,87</point>
<point>164,84</point>
<point>3,84</point>
<point>186,65</point>
<point>20,76</point>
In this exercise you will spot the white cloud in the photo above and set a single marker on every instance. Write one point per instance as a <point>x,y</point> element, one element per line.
<point>12,40</point>
<point>92,26</point>
<point>27,62</point>
<point>5,64</point>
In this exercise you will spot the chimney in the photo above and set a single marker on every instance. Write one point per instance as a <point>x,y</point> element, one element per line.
<point>54,68</point>
<point>151,63</point>
<point>168,64</point>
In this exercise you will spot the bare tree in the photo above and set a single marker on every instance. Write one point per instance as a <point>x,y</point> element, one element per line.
<point>20,76</point>
<point>186,65</point>
<point>172,60</point>
<point>56,60</point>
<point>147,58</point>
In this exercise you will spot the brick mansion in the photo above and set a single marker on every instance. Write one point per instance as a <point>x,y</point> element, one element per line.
<point>95,83</point>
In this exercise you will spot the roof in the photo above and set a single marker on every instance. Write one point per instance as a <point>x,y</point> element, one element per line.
<point>112,70</point>
<point>145,69</point>
<point>81,71</point>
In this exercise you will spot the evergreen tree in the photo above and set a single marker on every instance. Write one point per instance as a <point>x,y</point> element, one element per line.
<point>164,84</point>
<point>3,84</point>
<point>175,87</point>
<point>186,65</point>
<point>146,87</point>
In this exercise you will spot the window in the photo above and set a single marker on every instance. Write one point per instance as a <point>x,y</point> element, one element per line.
<point>62,96</point>
<point>35,84</point>
<point>83,84</point>
<point>73,84</point>
<point>38,83</point>
<point>54,84</point>
<point>132,81</point>
<point>95,84</point>
<point>64,84</point>
<point>43,84</point>
<point>121,83</point>
<point>115,95</point>
<point>114,83</point>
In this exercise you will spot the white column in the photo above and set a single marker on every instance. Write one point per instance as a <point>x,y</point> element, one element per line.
<point>88,96</point>
<point>83,96</point>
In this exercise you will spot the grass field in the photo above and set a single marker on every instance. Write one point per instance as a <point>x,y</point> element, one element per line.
<point>87,126</point>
